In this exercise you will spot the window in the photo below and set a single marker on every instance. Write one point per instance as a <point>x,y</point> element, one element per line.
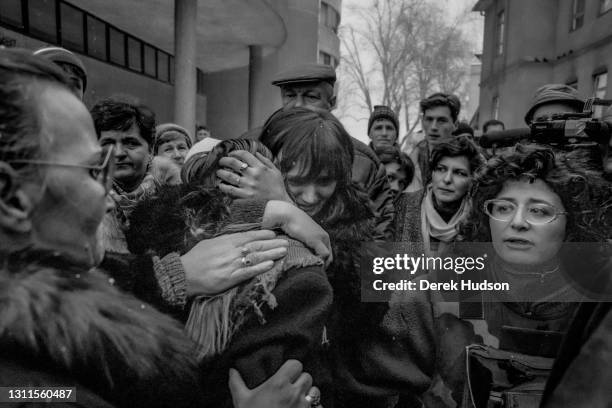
<point>605,6</point>
<point>200,82</point>
<point>60,23</point>
<point>495,107</point>
<point>117,46</point>
<point>71,28</point>
<point>577,14</point>
<point>41,14</point>
<point>324,58</point>
<point>329,17</point>
<point>323,14</point>
<point>149,60</point>
<point>333,19</point>
<point>162,66</point>
<point>600,86</point>
<point>96,38</point>
<point>501,27</point>
<point>134,54</point>
<point>10,13</point>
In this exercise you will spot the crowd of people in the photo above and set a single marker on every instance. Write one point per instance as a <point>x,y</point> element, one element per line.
<point>147,266</point>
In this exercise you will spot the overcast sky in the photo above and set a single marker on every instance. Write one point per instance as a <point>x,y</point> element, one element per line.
<point>473,27</point>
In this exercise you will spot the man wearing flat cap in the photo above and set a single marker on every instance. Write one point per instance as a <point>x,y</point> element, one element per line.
<point>312,86</point>
<point>307,86</point>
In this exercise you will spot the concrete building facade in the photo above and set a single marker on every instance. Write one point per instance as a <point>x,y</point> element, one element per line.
<point>530,43</point>
<point>192,61</point>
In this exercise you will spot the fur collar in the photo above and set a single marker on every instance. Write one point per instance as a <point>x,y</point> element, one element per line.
<point>76,322</point>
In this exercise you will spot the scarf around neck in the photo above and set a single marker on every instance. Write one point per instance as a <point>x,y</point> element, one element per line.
<point>434,226</point>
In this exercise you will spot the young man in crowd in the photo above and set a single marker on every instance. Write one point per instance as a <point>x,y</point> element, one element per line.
<point>439,120</point>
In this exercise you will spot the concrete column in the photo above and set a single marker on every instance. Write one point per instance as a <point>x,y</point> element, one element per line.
<point>185,77</point>
<point>255,73</point>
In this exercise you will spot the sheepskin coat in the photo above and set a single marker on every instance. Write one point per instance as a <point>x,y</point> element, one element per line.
<point>63,325</point>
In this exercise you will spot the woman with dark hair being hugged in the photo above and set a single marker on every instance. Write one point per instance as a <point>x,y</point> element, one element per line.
<point>314,153</point>
<point>256,325</point>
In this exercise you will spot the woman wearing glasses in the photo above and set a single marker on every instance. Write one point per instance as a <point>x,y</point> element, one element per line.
<point>542,219</point>
<point>63,321</point>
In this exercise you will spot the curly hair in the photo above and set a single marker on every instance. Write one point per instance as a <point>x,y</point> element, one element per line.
<point>317,142</point>
<point>201,168</point>
<point>454,147</point>
<point>586,196</point>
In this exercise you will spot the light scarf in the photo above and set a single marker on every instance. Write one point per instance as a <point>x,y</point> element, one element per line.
<point>214,320</point>
<point>434,226</point>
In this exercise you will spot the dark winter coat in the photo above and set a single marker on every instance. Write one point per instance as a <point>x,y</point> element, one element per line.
<point>352,319</point>
<point>370,174</point>
<point>173,221</point>
<point>64,325</point>
<point>581,376</point>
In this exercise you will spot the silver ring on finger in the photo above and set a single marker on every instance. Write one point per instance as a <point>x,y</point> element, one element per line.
<point>238,181</point>
<point>314,397</point>
<point>243,167</point>
<point>244,251</point>
<point>246,261</point>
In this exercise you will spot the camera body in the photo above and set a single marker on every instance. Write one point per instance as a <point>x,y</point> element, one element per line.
<point>569,131</point>
<point>563,131</point>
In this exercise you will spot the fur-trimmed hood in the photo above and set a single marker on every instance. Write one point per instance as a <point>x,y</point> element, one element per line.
<point>75,322</point>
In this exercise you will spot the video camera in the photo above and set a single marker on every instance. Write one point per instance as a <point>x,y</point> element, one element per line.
<point>563,131</point>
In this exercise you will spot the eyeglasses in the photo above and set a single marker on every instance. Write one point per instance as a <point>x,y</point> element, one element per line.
<point>103,173</point>
<point>537,213</point>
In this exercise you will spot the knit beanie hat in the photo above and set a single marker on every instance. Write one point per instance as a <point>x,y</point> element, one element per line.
<point>59,55</point>
<point>550,93</point>
<point>383,112</point>
<point>168,131</point>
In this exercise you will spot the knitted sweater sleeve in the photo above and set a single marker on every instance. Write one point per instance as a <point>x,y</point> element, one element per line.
<point>397,357</point>
<point>157,281</point>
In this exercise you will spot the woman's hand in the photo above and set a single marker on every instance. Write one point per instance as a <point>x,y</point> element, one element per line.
<point>217,264</point>
<point>248,176</point>
<point>287,388</point>
<point>298,225</point>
